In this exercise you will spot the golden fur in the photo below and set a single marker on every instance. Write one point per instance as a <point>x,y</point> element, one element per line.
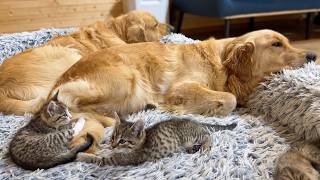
<point>205,78</point>
<point>26,79</point>
<point>299,163</point>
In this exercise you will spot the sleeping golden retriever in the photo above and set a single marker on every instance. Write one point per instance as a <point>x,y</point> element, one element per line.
<point>207,78</point>
<point>27,78</point>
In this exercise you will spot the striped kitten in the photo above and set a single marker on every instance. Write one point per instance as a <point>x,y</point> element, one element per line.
<point>43,142</point>
<point>297,163</point>
<point>132,144</point>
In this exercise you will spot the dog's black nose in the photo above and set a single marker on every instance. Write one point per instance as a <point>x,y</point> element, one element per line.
<point>310,57</point>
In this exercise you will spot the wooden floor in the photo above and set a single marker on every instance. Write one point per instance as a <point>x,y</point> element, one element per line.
<point>312,45</point>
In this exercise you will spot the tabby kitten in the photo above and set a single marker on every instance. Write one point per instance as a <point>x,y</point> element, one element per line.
<point>297,163</point>
<point>43,142</point>
<point>133,145</point>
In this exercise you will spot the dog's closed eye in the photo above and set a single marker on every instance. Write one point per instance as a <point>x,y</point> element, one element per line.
<point>277,44</point>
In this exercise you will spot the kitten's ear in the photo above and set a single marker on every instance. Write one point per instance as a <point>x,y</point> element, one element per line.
<point>137,127</point>
<point>52,107</point>
<point>117,118</point>
<point>55,97</point>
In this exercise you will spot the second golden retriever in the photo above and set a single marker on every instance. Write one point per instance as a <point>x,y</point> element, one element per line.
<point>207,78</point>
<point>26,78</point>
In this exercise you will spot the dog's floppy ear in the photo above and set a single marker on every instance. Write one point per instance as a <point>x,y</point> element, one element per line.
<point>238,59</point>
<point>136,34</point>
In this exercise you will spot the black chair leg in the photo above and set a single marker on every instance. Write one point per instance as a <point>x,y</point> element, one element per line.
<point>251,23</point>
<point>180,19</point>
<point>308,27</point>
<point>227,27</point>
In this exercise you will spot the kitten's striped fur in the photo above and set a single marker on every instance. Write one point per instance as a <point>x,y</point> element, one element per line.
<point>43,142</point>
<point>132,144</point>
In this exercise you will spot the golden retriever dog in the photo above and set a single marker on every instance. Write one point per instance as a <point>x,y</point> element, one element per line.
<point>27,78</point>
<point>207,78</point>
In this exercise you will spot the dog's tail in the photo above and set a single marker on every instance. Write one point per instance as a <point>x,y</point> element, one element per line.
<point>10,105</point>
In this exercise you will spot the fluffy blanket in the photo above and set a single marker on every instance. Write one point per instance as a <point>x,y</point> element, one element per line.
<point>11,44</point>
<point>290,102</point>
<point>247,152</point>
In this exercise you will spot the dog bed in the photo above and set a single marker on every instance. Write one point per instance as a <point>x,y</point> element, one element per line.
<point>247,152</point>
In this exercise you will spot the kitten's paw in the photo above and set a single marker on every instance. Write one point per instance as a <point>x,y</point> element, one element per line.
<point>205,149</point>
<point>78,126</point>
<point>206,145</point>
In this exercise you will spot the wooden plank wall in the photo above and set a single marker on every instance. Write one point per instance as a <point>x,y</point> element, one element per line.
<point>24,15</point>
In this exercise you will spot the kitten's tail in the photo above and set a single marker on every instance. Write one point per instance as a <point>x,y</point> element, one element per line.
<point>69,156</point>
<point>216,127</point>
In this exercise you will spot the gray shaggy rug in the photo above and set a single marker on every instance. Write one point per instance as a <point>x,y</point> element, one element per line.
<point>11,44</point>
<point>247,152</point>
<point>290,102</point>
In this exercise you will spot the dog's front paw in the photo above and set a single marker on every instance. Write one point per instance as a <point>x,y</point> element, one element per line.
<point>78,126</point>
<point>84,157</point>
<point>80,140</point>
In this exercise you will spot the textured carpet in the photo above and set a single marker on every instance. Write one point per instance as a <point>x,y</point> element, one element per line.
<point>11,44</point>
<point>247,152</point>
<point>290,101</point>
